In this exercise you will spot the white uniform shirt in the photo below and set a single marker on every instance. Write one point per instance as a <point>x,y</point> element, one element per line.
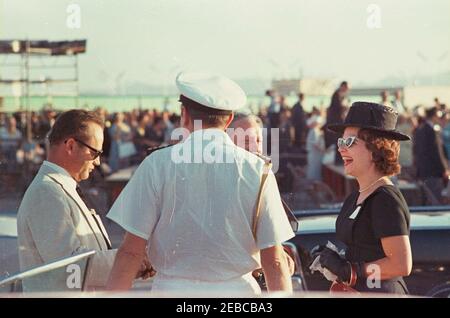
<point>198,216</point>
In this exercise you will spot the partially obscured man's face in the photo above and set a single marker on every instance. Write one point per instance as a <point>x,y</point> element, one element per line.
<point>249,136</point>
<point>120,117</point>
<point>83,157</point>
<point>12,122</point>
<point>145,120</point>
<point>166,116</point>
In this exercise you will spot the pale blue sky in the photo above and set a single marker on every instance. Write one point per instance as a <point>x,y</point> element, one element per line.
<point>151,40</point>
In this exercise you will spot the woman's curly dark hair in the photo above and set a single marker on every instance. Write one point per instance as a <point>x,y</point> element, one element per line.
<point>385,151</point>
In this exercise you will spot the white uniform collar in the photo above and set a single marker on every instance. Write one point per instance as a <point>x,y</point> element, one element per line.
<point>201,134</point>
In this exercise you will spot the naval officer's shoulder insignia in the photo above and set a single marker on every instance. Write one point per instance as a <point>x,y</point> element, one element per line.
<point>153,149</point>
<point>266,159</point>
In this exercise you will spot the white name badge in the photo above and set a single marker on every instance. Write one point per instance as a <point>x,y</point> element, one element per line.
<point>355,213</point>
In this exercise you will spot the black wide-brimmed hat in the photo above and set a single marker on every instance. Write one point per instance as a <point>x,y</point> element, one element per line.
<point>377,117</point>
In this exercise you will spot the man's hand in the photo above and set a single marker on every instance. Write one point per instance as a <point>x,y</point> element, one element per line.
<point>290,263</point>
<point>146,271</point>
<point>129,258</point>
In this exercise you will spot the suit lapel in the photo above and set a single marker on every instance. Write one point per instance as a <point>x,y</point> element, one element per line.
<point>99,222</point>
<point>102,240</point>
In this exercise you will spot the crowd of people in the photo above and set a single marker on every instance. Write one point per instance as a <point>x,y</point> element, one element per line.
<point>207,226</point>
<point>128,135</point>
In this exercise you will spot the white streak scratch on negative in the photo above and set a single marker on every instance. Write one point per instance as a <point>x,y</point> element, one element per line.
<point>174,196</point>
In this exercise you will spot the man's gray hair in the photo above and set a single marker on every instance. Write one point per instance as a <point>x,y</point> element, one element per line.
<point>247,117</point>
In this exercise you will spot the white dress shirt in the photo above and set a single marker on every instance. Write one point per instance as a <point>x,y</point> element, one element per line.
<point>68,180</point>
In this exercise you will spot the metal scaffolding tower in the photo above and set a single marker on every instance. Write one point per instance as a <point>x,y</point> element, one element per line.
<point>30,56</point>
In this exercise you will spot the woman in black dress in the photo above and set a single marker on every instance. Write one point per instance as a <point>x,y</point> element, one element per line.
<point>374,221</point>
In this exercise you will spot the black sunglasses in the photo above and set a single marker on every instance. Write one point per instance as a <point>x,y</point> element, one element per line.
<point>94,152</point>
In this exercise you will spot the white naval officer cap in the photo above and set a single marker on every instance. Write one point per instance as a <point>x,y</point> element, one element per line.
<point>213,91</point>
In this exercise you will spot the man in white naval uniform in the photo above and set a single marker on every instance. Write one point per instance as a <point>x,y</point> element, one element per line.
<point>193,204</point>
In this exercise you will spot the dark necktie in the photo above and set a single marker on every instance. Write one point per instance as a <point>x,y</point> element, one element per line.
<point>87,201</point>
<point>94,216</point>
<point>81,194</point>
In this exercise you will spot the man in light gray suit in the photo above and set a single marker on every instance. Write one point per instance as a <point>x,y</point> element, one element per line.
<point>53,220</point>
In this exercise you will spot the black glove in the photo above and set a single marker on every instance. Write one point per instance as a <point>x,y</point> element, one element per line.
<point>336,264</point>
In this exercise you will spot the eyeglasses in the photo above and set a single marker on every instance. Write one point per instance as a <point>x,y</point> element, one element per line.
<point>94,152</point>
<point>346,142</point>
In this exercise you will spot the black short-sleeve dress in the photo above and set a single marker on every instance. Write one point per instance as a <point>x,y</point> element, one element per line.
<point>383,213</point>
